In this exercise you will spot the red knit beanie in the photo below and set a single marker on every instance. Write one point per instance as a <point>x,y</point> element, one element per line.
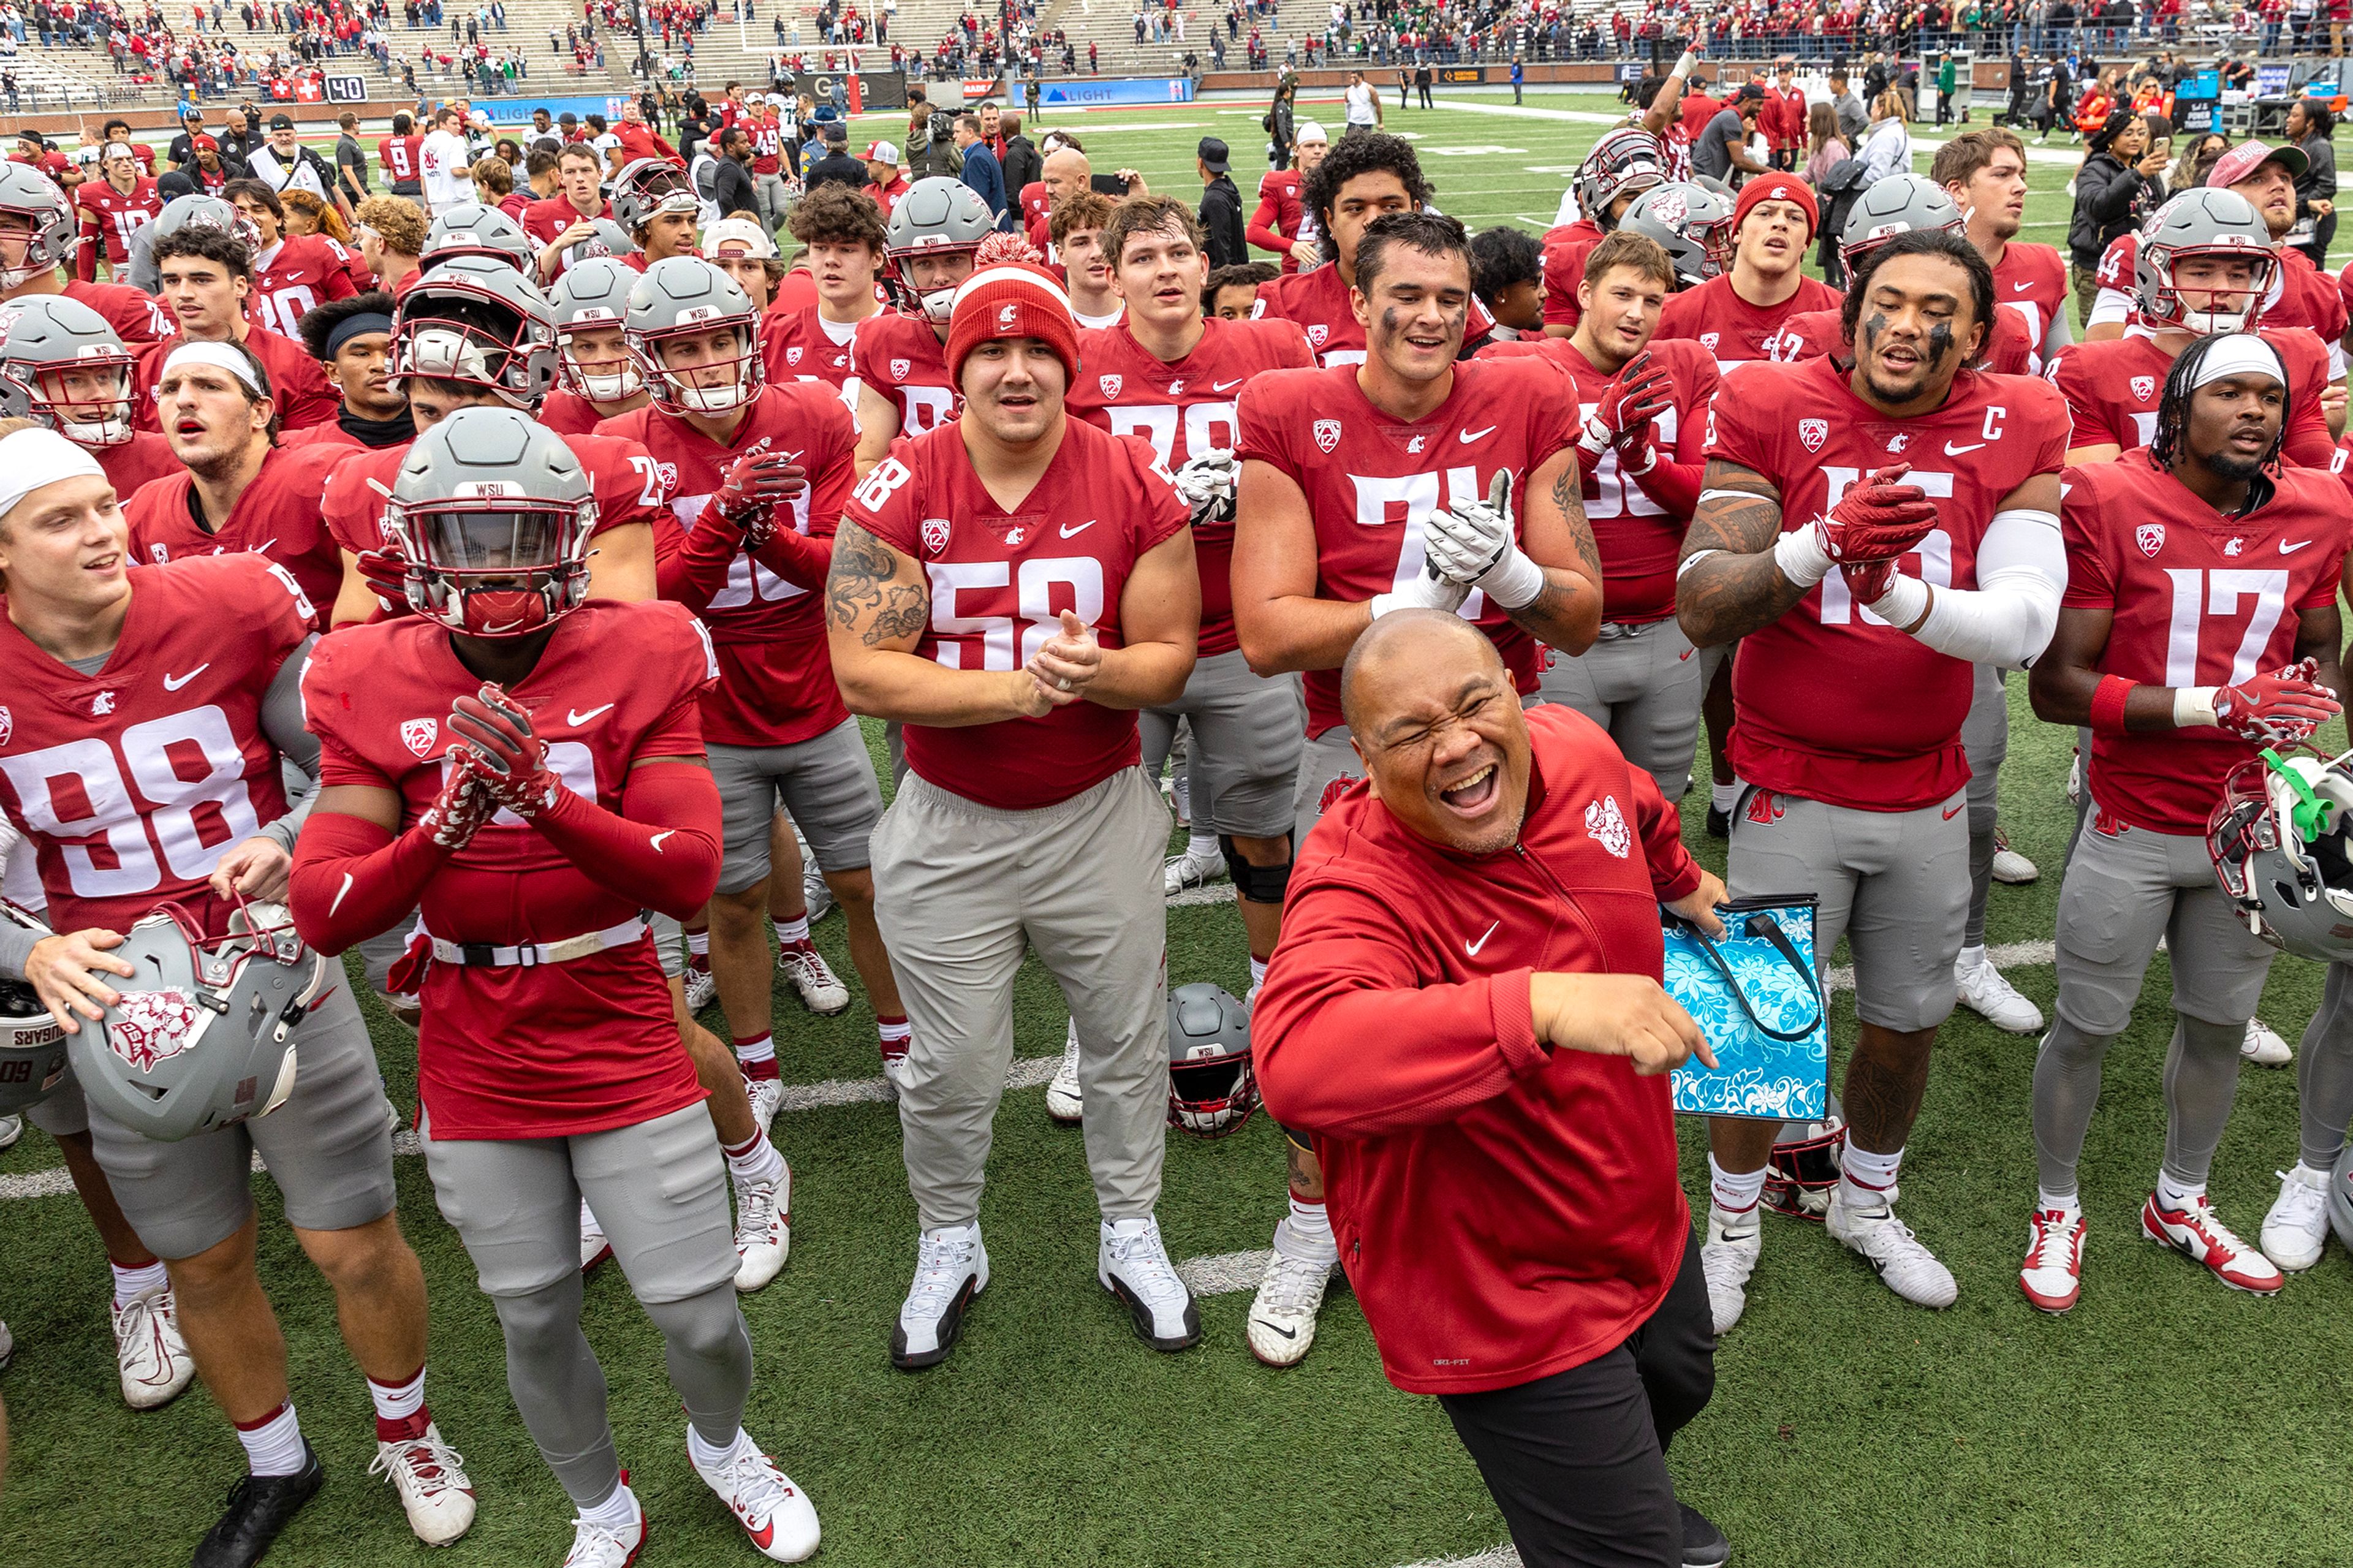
<point>1775,188</point>
<point>1011,299</point>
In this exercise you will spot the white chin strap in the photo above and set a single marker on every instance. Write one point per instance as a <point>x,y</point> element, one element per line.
<point>708,399</point>
<point>98,433</point>
<point>10,277</point>
<point>613,388</point>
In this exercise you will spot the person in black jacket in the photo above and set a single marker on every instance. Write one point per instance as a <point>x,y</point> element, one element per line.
<point>730,182</point>
<point>1019,158</point>
<point>1221,207</point>
<point>2119,184</point>
<point>2309,126</point>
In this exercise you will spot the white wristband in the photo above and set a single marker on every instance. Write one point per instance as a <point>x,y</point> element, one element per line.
<point>1514,582</point>
<point>1905,601</point>
<point>1800,556</point>
<point>2193,707</point>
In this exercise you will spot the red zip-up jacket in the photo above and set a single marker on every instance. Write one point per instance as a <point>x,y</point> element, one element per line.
<point>1502,1213</point>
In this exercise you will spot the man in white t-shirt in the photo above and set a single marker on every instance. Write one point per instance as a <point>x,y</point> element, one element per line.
<point>1364,104</point>
<point>442,164</point>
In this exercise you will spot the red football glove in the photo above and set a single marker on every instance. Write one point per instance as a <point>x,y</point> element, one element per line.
<point>458,812</point>
<point>386,572</point>
<point>1868,583</point>
<point>1639,393</point>
<point>754,487</point>
<point>1878,519</point>
<point>509,763</point>
<point>2286,705</point>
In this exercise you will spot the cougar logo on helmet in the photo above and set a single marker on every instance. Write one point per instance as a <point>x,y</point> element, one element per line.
<point>153,1027</point>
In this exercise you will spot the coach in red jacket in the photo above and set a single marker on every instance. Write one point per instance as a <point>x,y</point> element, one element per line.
<point>1464,1013</point>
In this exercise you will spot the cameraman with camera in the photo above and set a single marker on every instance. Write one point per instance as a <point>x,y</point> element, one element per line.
<point>931,139</point>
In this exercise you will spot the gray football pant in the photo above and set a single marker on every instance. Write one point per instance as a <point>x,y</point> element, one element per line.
<point>1642,685</point>
<point>2324,1072</point>
<point>659,1189</point>
<point>2122,893</point>
<point>1985,738</point>
<point>962,890</point>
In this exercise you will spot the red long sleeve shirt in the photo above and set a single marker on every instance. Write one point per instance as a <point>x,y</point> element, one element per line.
<point>1502,1213</point>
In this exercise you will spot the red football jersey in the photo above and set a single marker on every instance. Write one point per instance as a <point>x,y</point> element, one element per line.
<point>2008,351</point>
<point>904,361</point>
<point>131,464</point>
<point>1184,410</point>
<point>999,582</point>
<point>297,386</point>
<point>1281,213</point>
<point>109,217</point>
<point>398,156</point>
<point>1565,250</point>
<point>1833,704</point>
<point>1641,539</point>
<point>2030,282</point>
<point>1370,479</point>
<point>542,221</point>
<point>801,346</point>
<point>541,1050</point>
<point>2199,599</point>
<point>331,434</point>
<point>278,516</point>
<point>628,486</point>
<point>1732,329</point>
<point>131,781</point>
<point>299,272</point>
<point>1318,302</point>
<point>2112,390</point>
<point>136,318</point>
<point>775,679</point>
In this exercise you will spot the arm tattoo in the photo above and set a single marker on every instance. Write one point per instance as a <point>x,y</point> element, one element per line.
<point>859,586</point>
<point>1738,587</point>
<point>1580,532</point>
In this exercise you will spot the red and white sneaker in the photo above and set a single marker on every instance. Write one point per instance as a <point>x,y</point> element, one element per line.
<point>596,1546</point>
<point>2052,1275</point>
<point>777,1514</point>
<point>2197,1234</point>
<point>430,1477</point>
<point>594,1246</point>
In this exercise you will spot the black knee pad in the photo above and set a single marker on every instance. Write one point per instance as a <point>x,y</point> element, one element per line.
<point>1259,884</point>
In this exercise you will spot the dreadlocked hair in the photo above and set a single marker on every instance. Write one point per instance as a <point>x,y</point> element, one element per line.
<point>2173,407</point>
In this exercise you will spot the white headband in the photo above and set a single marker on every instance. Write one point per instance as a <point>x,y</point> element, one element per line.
<point>2239,353</point>
<point>220,355</point>
<point>38,456</point>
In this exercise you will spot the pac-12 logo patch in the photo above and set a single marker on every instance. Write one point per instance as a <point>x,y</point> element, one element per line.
<point>1606,825</point>
<point>2144,388</point>
<point>899,369</point>
<point>418,735</point>
<point>1316,332</point>
<point>793,354</point>
<point>1111,385</point>
<point>1812,433</point>
<point>935,534</point>
<point>2151,537</point>
<point>1327,434</point>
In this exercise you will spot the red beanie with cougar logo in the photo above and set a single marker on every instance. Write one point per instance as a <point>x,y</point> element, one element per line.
<point>1775,188</point>
<point>1012,300</point>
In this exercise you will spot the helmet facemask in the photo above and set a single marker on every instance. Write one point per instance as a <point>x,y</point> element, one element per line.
<point>477,341</point>
<point>48,239</point>
<point>2165,304</point>
<point>86,399</point>
<point>492,561</point>
<point>933,305</point>
<point>716,385</point>
<point>601,380</point>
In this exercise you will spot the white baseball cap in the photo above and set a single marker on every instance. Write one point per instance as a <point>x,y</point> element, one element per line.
<point>882,152</point>
<point>739,231</point>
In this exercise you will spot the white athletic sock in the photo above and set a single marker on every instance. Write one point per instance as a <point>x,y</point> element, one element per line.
<point>1869,1177</point>
<point>130,1284</point>
<point>894,1033</point>
<point>710,1455</point>
<point>588,1220</point>
<point>762,1049</point>
<point>1734,1191</point>
<point>398,1401</point>
<point>1306,1234</point>
<point>1258,974</point>
<point>754,1161</point>
<point>2175,1194</point>
<point>1202,845</point>
<point>617,1512</point>
<point>1972,957</point>
<point>1724,797</point>
<point>698,942</point>
<point>2069,1204</point>
<point>792,933</point>
<point>273,1445</point>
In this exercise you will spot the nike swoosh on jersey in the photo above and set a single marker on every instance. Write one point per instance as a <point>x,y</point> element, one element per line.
<point>655,842</point>
<point>173,682</point>
<point>577,717</point>
<point>1068,531</point>
<point>2285,549</point>
<point>2021,288</point>
<point>339,896</point>
<point>1226,386</point>
<point>1467,436</point>
<point>1472,947</point>
<point>1953,451</point>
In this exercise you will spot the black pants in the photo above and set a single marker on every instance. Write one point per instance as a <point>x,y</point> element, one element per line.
<point>1578,1460</point>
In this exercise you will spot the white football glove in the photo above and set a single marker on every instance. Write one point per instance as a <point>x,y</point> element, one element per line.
<point>1208,483</point>
<point>1472,542</point>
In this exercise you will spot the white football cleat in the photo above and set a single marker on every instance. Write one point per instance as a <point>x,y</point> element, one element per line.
<point>894,1071</point>
<point>764,1230</point>
<point>1062,1099</point>
<point>1874,1233</point>
<point>2296,1229</point>
<point>1282,1314</point>
<point>951,1268</point>
<point>1983,990</point>
<point>2199,1234</point>
<point>774,1512</point>
<point>594,1546</point>
<point>151,1357</point>
<point>766,1095</point>
<point>1191,870</point>
<point>701,988</point>
<point>2053,1274</point>
<point>12,1127</point>
<point>820,991</point>
<point>594,1247</point>
<point>2264,1048</point>
<point>1131,1263</point>
<point>1727,1258</point>
<point>2009,866</point>
<point>816,892</point>
<point>430,1477</point>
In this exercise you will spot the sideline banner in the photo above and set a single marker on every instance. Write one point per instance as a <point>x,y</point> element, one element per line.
<point>1104,91</point>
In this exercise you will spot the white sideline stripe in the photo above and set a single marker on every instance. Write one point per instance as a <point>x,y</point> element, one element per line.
<point>1505,1556</point>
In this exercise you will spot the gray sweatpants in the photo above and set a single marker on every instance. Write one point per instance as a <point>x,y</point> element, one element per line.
<point>2324,1072</point>
<point>659,1189</point>
<point>1641,682</point>
<point>1985,738</point>
<point>961,891</point>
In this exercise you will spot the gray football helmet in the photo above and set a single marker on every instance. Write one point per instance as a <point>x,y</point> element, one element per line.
<point>32,207</point>
<point>1896,205</point>
<point>472,229</point>
<point>477,321</point>
<point>494,511</point>
<point>62,366</point>
<point>204,1035</point>
<point>937,216</point>
<point>1624,163</point>
<point>1212,1089</point>
<point>1691,222</point>
<point>32,1046</point>
<point>609,240</point>
<point>199,211</point>
<point>648,187</point>
<point>2202,222</point>
<point>2283,853</point>
<point>686,294</point>
<point>595,292</point>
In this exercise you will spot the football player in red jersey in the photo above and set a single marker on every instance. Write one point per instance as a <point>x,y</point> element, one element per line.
<point>291,273</point>
<point>112,673</point>
<point>2186,657</point>
<point>1618,169</point>
<point>568,217</point>
<point>1985,174</point>
<point>655,203</point>
<point>2205,263</point>
<point>1643,405</point>
<point>1282,223</point>
<point>1365,177</point>
<point>239,490</point>
<point>351,340</point>
<point>398,154</point>
<point>111,206</point>
<point>1171,376</point>
<point>1077,228</point>
<point>1817,543</point>
<point>842,234</point>
<point>1012,587</point>
<point>1737,315</point>
<point>1407,480</point>
<point>899,356</point>
<point>39,233</point>
<point>62,366</point>
<point>207,277</point>
<point>747,253</point>
<point>527,768</point>
<point>600,380</point>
